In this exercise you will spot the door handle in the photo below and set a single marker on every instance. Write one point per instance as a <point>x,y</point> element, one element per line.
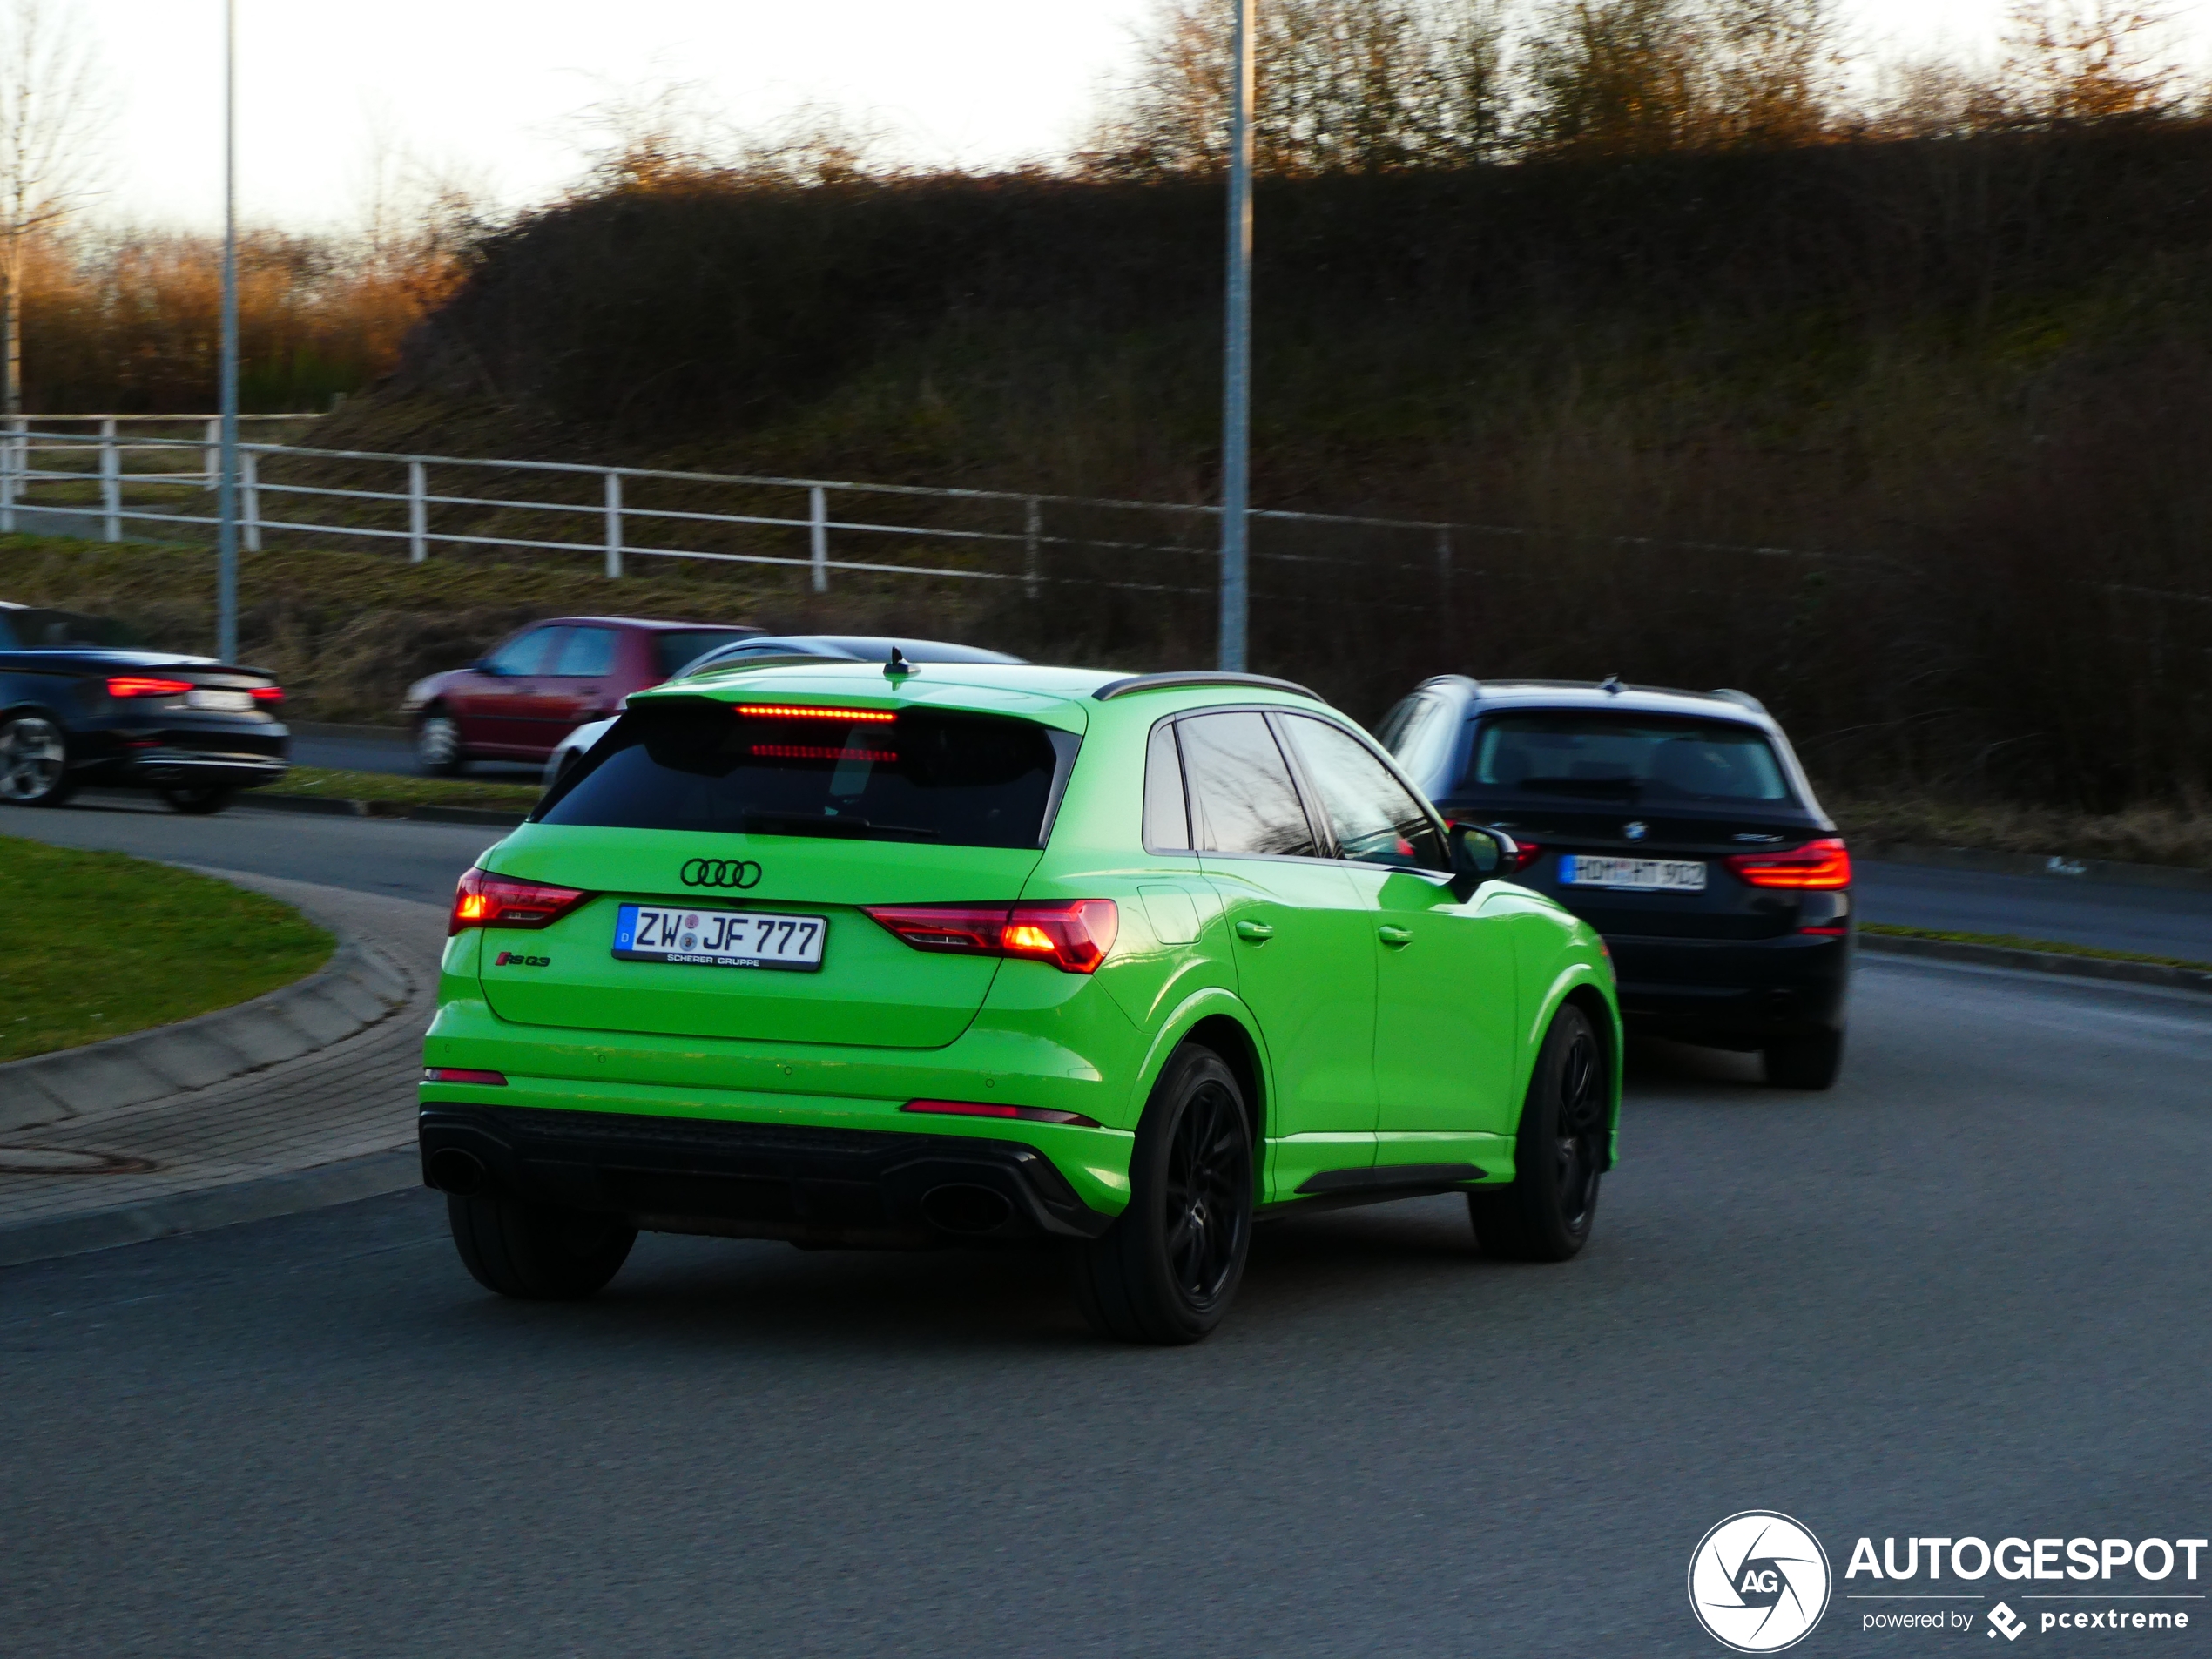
<point>1258,932</point>
<point>1395,936</point>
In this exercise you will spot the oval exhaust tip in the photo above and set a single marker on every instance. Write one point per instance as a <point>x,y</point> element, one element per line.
<point>456,1172</point>
<point>957,1208</point>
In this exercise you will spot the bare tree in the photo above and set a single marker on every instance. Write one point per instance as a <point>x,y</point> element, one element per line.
<point>2088,60</point>
<point>53,113</point>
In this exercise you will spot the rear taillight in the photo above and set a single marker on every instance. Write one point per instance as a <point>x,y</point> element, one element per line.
<point>994,1109</point>
<point>139,686</point>
<point>1074,936</point>
<point>1825,863</point>
<point>484,899</point>
<point>1526,853</point>
<point>268,694</point>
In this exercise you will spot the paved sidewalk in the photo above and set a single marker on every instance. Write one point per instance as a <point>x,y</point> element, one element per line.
<point>309,1130</point>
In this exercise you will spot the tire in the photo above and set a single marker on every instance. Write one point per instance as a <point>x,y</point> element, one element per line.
<point>437,744</point>
<point>1805,1062</point>
<point>198,800</point>
<point>1545,1215</point>
<point>1169,1267</point>
<point>34,762</point>
<point>538,1252</point>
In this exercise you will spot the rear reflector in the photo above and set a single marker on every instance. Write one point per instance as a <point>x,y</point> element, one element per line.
<point>1073,936</point>
<point>1825,933</point>
<point>484,899</point>
<point>993,1109</point>
<point>138,686</point>
<point>463,1075</point>
<point>1821,864</point>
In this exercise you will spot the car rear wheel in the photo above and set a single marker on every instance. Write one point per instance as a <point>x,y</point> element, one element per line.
<point>538,1252</point>
<point>437,746</point>
<point>34,762</point>
<point>1546,1213</point>
<point>198,800</point>
<point>1805,1062</point>
<point>1169,1267</point>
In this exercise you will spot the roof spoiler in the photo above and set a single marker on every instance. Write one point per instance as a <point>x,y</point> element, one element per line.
<point>1743,699</point>
<point>1113,689</point>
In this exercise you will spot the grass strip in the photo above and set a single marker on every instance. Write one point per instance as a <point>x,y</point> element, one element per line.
<point>96,945</point>
<point>2049,946</point>
<point>403,789</point>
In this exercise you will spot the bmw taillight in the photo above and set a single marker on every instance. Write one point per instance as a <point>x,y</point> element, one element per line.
<point>1074,936</point>
<point>141,685</point>
<point>484,899</point>
<point>1821,864</point>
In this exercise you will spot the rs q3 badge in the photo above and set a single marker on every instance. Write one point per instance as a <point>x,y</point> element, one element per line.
<point>720,873</point>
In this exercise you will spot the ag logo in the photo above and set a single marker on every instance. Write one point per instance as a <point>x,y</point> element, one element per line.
<point>1758,1582</point>
<point>720,873</point>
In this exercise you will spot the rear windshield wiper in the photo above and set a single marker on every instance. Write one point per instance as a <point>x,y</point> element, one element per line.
<point>850,829</point>
<point>1621,788</point>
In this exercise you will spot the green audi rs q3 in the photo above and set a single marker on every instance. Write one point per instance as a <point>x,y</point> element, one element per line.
<point>985,952</point>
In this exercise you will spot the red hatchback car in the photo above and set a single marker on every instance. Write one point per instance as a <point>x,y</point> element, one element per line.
<point>531,690</point>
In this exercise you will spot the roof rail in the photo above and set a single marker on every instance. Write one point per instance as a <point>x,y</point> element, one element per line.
<point>1744,698</point>
<point>1113,689</point>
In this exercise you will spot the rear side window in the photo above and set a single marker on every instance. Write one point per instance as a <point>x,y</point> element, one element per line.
<point>1167,817</point>
<point>694,764</point>
<point>1242,800</point>
<point>1568,755</point>
<point>587,653</point>
<point>1375,820</point>
<point>676,649</point>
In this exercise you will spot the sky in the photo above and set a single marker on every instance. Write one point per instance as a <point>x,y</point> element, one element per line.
<point>487,92</point>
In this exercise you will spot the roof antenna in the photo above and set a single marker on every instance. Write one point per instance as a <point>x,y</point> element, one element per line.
<point>1611,686</point>
<point>898,667</point>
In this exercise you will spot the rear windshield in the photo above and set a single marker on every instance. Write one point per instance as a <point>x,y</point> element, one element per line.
<point>676,649</point>
<point>695,763</point>
<point>32,629</point>
<point>1625,758</point>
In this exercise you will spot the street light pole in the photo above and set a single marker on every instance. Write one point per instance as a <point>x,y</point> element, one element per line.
<point>226,498</point>
<point>1237,364</point>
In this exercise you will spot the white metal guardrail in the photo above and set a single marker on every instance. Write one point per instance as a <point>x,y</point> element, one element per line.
<point>372,499</point>
<point>993,536</point>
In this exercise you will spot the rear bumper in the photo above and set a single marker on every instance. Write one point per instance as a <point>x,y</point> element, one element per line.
<point>242,753</point>
<point>1733,994</point>
<point>857,1188</point>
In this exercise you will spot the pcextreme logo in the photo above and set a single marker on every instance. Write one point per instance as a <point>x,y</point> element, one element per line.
<point>1758,1581</point>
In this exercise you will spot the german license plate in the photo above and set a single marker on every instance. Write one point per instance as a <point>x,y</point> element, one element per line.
<point>204,697</point>
<point>649,933</point>
<point>1644,875</point>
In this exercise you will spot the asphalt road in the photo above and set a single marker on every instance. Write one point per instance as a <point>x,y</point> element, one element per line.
<point>1962,1294</point>
<point>421,861</point>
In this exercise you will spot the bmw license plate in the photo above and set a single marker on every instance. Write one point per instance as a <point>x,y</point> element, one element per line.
<point>650,933</point>
<point>1643,875</point>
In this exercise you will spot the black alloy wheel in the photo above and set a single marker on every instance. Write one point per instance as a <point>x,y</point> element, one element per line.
<point>198,800</point>
<point>1546,1214</point>
<point>1168,1269</point>
<point>538,1252</point>
<point>34,762</point>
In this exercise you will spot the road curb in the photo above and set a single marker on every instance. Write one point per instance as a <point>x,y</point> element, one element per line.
<point>2066,869</point>
<point>358,987</point>
<point>2041,962</point>
<point>260,1199</point>
<point>329,806</point>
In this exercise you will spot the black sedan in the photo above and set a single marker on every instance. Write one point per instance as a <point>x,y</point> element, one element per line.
<point>1680,826</point>
<point>80,705</point>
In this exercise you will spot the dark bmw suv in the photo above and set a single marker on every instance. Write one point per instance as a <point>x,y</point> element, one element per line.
<point>1680,826</point>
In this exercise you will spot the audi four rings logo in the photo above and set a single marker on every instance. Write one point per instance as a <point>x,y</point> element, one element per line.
<point>1758,1581</point>
<point>721,873</point>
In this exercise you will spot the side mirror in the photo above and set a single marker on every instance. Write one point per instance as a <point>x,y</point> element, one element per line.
<point>1479,855</point>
